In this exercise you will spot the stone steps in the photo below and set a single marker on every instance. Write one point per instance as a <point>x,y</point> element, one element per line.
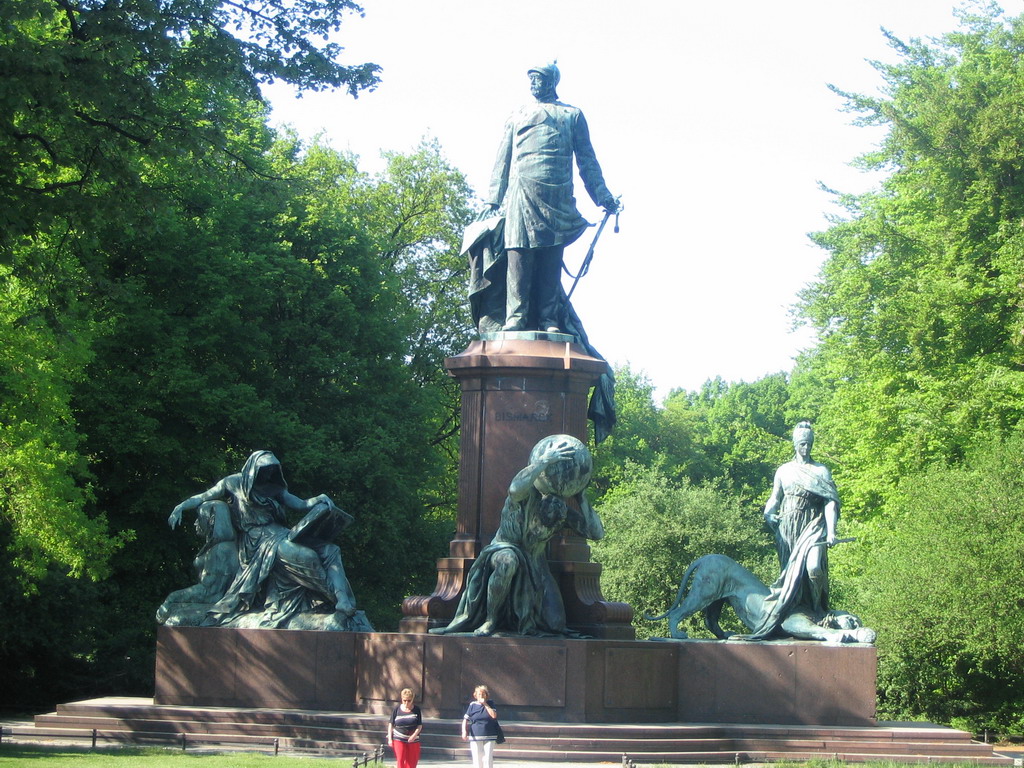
<point>140,721</point>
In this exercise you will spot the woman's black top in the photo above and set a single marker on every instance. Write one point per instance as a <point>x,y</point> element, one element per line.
<point>404,724</point>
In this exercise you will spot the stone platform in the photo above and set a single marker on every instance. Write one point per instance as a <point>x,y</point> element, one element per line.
<point>529,745</point>
<point>552,680</point>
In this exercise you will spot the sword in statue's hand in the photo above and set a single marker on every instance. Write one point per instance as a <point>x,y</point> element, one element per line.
<point>837,541</point>
<point>585,267</point>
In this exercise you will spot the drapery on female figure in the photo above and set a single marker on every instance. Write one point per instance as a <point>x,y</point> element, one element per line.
<point>510,587</point>
<point>282,571</point>
<point>803,511</point>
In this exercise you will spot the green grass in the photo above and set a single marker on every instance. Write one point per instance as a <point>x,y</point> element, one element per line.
<point>829,763</point>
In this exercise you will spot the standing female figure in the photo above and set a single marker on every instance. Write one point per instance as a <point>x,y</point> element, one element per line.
<point>803,512</point>
<point>404,731</point>
<point>480,728</point>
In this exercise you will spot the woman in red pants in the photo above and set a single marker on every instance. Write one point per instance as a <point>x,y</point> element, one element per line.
<point>404,731</point>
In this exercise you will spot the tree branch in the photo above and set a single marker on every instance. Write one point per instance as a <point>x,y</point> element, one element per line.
<point>116,129</point>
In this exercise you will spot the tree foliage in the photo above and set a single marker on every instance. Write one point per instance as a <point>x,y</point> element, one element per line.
<point>183,286</point>
<point>415,211</point>
<point>918,306</point>
<point>731,435</point>
<point>947,594</point>
<point>637,438</point>
<point>99,103</point>
<point>919,315</point>
<point>656,527</point>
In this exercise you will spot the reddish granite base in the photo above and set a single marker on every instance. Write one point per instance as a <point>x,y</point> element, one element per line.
<point>514,393</point>
<point>534,679</point>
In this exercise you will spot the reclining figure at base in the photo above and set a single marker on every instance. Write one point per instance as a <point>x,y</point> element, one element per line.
<point>215,566</point>
<point>714,580</point>
<point>281,576</point>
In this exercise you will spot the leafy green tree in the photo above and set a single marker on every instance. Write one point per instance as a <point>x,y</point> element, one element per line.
<point>187,288</point>
<point>269,321</point>
<point>920,323</point>
<point>44,346</point>
<point>946,591</point>
<point>656,527</point>
<point>733,434</point>
<point>918,306</point>
<point>252,311</point>
<point>415,212</point>
<point>94,97</point>
<point>636,439</point>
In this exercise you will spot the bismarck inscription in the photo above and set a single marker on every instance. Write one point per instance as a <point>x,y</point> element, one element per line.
<point>513,416</point>
<point>541,412</point>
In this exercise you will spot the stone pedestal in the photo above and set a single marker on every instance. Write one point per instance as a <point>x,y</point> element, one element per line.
<point>517,389</point>
<point>535,679</point>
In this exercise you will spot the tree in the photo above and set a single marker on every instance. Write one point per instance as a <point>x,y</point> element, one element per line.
<point>656,527</point>
<point>920,322</point>
<point>94,97</point>
<point>415,212</point>
<point>946,592</point>
<point>918,306</point>
<point>636,439</point>
<point>186,287</point>
<point>734,434</point>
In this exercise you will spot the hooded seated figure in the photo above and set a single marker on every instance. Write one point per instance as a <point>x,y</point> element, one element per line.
<point>283,572</point>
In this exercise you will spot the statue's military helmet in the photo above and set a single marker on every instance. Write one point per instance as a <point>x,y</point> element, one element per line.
<point>550,71</point>
<point>569,476</point>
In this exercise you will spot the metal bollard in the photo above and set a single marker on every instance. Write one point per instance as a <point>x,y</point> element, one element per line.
<point>277,745</point>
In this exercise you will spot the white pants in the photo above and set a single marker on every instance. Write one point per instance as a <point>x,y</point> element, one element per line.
<point>483,753</point>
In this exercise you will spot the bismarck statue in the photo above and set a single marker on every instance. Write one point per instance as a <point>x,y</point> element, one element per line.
<point>253,570</point>
<point>802,512</point>
<point>510,589</point>
<point>516,259</point>
<point>515,247</point>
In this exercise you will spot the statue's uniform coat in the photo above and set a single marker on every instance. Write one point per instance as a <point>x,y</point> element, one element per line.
<point>533,175</point>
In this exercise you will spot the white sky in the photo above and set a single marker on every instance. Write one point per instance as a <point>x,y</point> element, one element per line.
<point>712,120</point>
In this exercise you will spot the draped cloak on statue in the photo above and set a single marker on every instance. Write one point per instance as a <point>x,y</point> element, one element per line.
<point>483,245</point>
<point>807,489</point>
<point>282,587</point>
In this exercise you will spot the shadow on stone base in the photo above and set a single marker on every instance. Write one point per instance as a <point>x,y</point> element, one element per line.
<point>532,679</point>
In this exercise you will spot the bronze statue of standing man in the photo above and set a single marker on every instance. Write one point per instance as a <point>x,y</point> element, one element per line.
<point>533,178</point>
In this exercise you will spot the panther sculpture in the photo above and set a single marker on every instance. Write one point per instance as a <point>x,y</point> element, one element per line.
<point>714,580</point>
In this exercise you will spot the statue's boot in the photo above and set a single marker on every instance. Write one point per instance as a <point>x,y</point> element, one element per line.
<point>546,299</point>
<point>518,287</point>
